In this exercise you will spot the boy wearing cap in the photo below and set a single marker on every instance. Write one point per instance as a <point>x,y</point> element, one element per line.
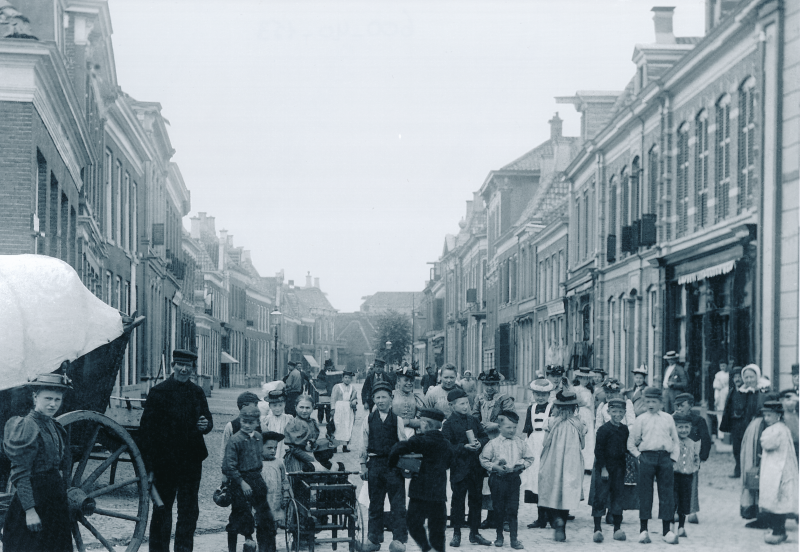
<point>686,465</point>
<point>486,408</point>
<point>612,389</point>
<point>427,491</point>
<point>242,466</point>
<point>344,401</point>
<point>535,422</point>
<point>505,457</point>
<point>653,439</point>
<point>381,431</point>
<point>466,473</point>
<point>231,428</point>
<point>273,472</point>
<point>608,476</point>
<point>699,433</point>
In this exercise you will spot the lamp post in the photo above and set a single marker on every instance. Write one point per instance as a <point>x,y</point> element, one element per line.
<point>275,321</point>
<point>388,351</point>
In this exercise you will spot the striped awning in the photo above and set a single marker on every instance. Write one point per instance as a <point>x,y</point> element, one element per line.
<point>710,272</point>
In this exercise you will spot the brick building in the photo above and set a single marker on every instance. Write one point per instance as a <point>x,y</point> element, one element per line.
<point>678,220</point>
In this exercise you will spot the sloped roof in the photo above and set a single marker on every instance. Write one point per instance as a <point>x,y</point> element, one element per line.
<point>393,300</point>
<point>531,160</point>
<point>312,298</point>
<point>552,188</point>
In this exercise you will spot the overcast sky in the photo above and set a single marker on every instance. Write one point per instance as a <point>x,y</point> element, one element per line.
<point>343,138</point>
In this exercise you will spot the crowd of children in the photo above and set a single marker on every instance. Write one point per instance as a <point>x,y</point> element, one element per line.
<point>624,439</point>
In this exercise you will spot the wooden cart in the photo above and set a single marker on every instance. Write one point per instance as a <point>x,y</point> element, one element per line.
<point>107,507</point>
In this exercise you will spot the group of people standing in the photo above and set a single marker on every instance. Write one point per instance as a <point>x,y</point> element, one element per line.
<point>628,440</point>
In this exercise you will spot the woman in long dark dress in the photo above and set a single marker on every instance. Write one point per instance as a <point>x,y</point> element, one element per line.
<point>37,445</point>
<point>741,408</point>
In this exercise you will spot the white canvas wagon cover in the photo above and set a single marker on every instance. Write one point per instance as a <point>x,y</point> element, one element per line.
<point>47,316</point>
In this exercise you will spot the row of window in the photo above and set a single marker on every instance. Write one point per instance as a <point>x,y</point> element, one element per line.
<point>702,158</point>
<point>120,204</point>
<point>57,218</point>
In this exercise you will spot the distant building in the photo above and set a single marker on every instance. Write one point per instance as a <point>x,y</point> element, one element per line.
<point>385,301</point>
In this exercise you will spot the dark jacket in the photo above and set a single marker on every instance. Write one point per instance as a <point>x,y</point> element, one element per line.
<point>610,447</point>
<point>678,379</point>
<point>740,409</point>
<point>437,456</point>
<point>700,433</point>
<point>169,439</point>
<point>428,381</point>
<point>465,461</point>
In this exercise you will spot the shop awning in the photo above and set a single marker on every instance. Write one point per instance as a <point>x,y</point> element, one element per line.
<point>228,359</point>
<point>311,361</point>
<point>710,272</point>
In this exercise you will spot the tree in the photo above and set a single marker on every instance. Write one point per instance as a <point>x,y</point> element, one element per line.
<point>394,327</point>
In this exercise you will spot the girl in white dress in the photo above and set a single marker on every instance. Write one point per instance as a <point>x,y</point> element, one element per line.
<point>535,424</point>
<point>344,402</point>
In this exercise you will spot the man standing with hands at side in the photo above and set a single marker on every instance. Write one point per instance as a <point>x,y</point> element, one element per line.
<point>175,418</point>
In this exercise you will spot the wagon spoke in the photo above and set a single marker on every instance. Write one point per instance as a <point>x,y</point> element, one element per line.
<point>76,534</point>
<point>109,513</point>
<point>97,534</point>
<point>110,488</point>
<point>102,467</point>
<point>76,479</point>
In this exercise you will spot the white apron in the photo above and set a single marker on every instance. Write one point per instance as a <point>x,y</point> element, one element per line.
<point>530,477</point>
<point>343,416</point>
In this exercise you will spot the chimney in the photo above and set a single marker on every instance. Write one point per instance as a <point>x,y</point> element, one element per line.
<point>196,227</point>
<point>308,280</point>
<point>555,126</point>
<point>246,256</point>
<point>662,19</point>
<point>316,283</point>
<point>291,284</point>
<point>223,239</point>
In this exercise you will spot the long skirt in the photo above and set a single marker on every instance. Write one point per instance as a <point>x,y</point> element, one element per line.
<point>530,477</point>
<point>50,497</point>
<point>343,418</point>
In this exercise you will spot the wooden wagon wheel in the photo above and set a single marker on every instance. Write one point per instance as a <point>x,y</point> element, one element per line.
<point>84,489</point>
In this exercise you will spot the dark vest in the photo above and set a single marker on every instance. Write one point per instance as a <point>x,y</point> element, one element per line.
<point>382,434</point>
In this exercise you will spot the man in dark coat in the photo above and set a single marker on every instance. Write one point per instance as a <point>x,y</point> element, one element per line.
<point>466,473</point>
<point>175,418</point>
<point>377,374</point>
<point>676,381</point>
<point>295,382</point>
